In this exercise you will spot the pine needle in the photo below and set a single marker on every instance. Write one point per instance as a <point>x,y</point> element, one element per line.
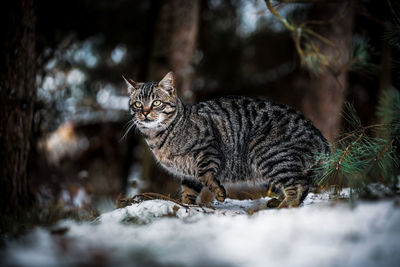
<point>365,154</point>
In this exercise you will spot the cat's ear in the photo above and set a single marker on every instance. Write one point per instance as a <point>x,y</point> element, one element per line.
<point>168,83</point>
<point>131,84</point>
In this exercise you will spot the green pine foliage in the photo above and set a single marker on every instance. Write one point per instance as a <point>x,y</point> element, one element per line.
<point>388,112</point>
<point>360,57</point>
<point>365,155</point>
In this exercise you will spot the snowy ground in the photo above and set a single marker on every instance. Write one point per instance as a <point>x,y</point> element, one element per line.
<point>162,233</point>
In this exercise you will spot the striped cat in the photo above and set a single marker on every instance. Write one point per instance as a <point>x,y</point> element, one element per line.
<point>226,140</point>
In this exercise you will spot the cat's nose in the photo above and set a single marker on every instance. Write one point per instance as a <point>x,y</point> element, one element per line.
<point>146,112</point>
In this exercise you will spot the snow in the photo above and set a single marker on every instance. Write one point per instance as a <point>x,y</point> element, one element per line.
<point>321,232</point>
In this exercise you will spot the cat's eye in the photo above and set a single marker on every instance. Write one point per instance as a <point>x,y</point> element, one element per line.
<point>156,103</point>
<point>138,104</point>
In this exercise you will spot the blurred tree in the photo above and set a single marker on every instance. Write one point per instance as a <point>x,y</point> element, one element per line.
<point>174,43</point>
<point>324,93</point>
<point>17,99</point>
<point>100,41</point>
<point>323,40</point>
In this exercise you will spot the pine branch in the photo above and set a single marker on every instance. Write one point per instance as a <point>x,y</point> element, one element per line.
<point>384,150</point>
<point>310,56</point>
<point>347,151</point>
<point>359,159</point>
<point>393,11</point>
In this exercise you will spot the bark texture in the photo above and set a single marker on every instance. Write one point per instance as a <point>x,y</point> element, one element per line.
<point>174,44</point>
<point>324,94</point>
<point>17,97</point>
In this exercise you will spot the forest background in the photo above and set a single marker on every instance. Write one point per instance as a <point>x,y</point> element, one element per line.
<point>63,101</point>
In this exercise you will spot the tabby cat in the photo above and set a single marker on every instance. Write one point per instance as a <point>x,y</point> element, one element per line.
<point>226,140</point>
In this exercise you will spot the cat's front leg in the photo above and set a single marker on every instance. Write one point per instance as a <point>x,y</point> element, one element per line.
<point>293,196</point>
<point>209,180</point>
<point>190,190</point>
<point>208,166</point>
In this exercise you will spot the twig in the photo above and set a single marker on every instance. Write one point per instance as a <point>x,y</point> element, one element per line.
<point>151,195</point>
<point>278,16</point>
<point>300,31</point>
<point>348,135</point>
<point>364,128</point>
<point>392,10</point>
<point>347,150</point>
<point>384,150</point>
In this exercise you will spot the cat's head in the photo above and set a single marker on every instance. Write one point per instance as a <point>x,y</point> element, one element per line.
<point>153,105</point>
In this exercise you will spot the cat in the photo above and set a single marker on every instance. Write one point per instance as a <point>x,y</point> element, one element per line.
<point>227,140</point>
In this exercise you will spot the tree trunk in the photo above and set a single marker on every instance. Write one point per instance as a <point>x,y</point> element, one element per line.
<point>323,95</point>
<point>174,43</point>
<point>17,97</point>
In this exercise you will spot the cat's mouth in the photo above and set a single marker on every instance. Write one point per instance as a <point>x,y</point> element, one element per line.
<point>148,123</point>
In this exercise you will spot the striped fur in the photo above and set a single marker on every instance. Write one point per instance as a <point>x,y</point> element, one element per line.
<point>227,140</point>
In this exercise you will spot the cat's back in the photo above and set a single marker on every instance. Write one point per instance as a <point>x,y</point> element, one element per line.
<point>246,114</point>
<point>233,108</point>
<point>234,116</point>
<point>243,119</point>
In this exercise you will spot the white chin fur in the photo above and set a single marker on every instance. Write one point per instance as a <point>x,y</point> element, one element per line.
<point>150,124</point>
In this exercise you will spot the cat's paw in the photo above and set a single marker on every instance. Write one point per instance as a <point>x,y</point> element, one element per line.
<point>288,203</point>
<point>273,203</point>
<point>292,196</point>
<point>220,194</point>
<point>188,199</point>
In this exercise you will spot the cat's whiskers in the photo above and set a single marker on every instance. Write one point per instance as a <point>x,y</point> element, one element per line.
<point>129,125</point>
